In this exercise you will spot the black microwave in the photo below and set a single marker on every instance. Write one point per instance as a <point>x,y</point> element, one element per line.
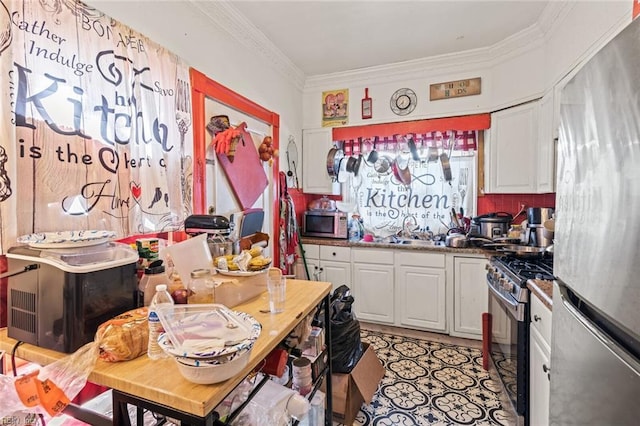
<point>328,224</point>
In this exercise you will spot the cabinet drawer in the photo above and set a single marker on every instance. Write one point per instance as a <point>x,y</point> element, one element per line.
<point>380,257</point>
<point>311,251</point>
<point>418,258</point>
<point>342,254</point>
<point>541,319</point>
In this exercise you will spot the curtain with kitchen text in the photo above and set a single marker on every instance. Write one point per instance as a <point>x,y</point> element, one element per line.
<point>95,124</point>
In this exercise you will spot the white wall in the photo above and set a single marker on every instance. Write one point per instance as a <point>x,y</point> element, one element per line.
<point>516,70</point>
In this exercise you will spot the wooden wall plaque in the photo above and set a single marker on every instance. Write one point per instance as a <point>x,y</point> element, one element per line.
<point>454,89</point>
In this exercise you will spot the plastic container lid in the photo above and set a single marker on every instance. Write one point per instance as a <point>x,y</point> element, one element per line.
<point>199,273</point>
<point>201,330</point>
<point>153,270</point>
<point>83,259</point>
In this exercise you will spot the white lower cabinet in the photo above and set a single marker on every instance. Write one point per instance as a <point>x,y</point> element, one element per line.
<point>420,280</point>
<point>539,365</point>
<point>312,258</point>
<point>470,296</point>
<point>373,285</point>
<point>326,263</point>
<point>419,289</point>
<point>335,266</point>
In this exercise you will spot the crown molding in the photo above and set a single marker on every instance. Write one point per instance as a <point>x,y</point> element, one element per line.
<point>553,15</point>
<point>485,57</point>
<point>224,15</point>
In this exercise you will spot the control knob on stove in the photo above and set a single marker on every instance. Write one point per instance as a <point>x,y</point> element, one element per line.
<point>506,285</point>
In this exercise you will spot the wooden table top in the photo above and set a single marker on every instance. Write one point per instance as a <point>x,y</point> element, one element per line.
<point>160,381</point>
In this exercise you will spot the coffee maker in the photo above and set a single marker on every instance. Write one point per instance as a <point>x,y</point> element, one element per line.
<point>534,234</point>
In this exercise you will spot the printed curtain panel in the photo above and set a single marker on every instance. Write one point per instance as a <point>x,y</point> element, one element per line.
<point>95,124</point>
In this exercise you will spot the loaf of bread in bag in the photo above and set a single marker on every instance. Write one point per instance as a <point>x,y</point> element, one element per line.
<point>124,337</point>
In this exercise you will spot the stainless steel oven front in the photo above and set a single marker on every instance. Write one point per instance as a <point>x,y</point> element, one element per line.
<point>509,309</point>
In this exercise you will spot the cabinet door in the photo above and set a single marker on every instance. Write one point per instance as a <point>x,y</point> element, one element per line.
<point>421,298</point>
<point>539,376</point>
<point>311,255</point>
<point>337,273</point>
<point>511,159</point>
<point>316,144</point>
<point>546,148</point>
<point>470,296</point>
<point>373,291</point>
<point>313,266</point>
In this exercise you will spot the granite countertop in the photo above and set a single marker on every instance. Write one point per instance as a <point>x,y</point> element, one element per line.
<point>543,290</point>
<point>416,247</point>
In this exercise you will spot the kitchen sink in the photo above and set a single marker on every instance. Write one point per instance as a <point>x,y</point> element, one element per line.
<point>421,243</point>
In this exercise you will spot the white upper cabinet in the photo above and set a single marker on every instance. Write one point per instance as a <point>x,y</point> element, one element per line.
<point>517,159</point>
<point>316,144</point>
<point>510,150</point>
<point>547,136</point>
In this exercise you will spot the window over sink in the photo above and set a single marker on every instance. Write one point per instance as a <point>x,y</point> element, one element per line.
<point>414,182</point>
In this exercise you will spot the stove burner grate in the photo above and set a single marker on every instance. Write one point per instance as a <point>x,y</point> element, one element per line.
<point>527,269</point>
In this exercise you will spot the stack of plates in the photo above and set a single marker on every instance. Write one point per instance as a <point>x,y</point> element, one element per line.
<point>209,342</point>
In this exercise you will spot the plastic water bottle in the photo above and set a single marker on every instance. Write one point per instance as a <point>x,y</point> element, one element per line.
<point>162,297</point>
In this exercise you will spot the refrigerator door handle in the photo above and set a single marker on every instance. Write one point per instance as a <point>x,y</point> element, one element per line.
<point>602,337</point>
<point>512,306</point>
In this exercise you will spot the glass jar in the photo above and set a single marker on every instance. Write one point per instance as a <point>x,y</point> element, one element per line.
<point>201,287</point>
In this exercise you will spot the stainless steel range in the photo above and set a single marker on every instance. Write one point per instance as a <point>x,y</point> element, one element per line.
<point>509,308</point>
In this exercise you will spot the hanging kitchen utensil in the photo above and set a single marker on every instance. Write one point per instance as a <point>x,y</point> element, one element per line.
<point>373,155</point>
<point>432,154</point>
<point>403,175</point>
<point>446,167</point>
<point>413,149</point>
<point>292,160</point>
<point>367,104</point>
<point>351,160</point>
<point>356,167</point>
<point>333,161</point>
<point>383,163</point>
<point>351,164</point>
<point>342,170</point>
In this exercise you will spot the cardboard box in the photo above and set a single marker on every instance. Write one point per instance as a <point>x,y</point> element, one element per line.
<point>350,391</point>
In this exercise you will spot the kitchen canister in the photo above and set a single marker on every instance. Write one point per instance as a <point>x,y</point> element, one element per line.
<point>201,287</point>
<point>301,381</point>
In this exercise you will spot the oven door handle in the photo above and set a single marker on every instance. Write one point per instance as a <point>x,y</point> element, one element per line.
<point>514,308</point>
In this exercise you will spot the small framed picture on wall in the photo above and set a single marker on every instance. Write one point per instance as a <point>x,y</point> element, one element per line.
<point>335,108</point>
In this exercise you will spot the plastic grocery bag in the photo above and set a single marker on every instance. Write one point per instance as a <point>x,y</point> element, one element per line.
<point>346,346</point>
<point>49,390</point>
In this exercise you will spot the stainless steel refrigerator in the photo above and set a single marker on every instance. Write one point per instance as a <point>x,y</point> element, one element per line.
<point>595,353</point>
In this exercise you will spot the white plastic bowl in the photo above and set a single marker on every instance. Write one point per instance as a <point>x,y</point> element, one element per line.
<point>206,374</point>
<point>220,359</point>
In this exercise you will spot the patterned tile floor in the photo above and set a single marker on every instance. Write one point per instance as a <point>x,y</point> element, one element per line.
<point>431,383</point>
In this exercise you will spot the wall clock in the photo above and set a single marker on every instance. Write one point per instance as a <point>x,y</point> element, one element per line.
<point>403,101</point>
